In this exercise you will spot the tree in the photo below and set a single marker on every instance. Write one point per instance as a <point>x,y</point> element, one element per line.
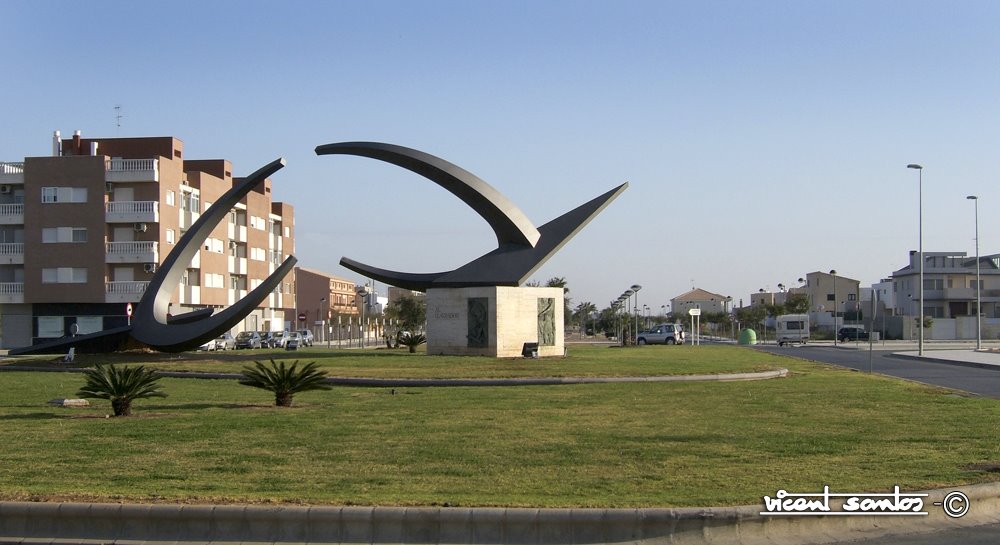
<point>284,381</point>
<point>409,312</point>
<point>753,314</point>
<point>583,313</point>
<point>797,303</point>
<point>122,385</point>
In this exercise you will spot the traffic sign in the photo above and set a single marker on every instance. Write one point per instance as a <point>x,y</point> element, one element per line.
<point>128,310</point>
<point>694,311</point>
<point>302,316</point>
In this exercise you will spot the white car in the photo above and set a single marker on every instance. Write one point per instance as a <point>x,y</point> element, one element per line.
<point>307,337</point>
<point>222,342</point>
<point>293,341</point>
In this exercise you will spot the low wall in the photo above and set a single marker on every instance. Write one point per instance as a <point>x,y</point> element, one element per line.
<point>24,522</point>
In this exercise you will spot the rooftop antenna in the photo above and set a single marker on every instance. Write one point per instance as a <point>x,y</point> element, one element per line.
<point>118,119</point>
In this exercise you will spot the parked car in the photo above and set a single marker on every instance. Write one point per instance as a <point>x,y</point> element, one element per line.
<point>248,339</point>
<point>266,339</point>
<point>293,340</point>
<point>278,339</point>
<point>222,342</point>
<point>307,337</point>
<point>662,334</point>
<point>852,334</point>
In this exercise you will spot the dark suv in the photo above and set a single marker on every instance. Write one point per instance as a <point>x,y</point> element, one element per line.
<point>852,334</point>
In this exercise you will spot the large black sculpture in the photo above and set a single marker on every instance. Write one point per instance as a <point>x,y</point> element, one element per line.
<point>521,248</point>
<point>151,325</point>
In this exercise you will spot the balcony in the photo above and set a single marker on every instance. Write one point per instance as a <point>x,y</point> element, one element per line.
<point>132,212</point>
<point>11,253</point>
<point>12,173</point>
<point>237,265</point>
<point>124,292</point>
<point>11,214</point>
<point>189,295</point>
<point>11,293</point>
<point>132,170</point>
<point>132,252</point>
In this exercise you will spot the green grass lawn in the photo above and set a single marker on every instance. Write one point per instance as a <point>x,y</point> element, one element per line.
<point>583,361</point>
<point>597,445</point>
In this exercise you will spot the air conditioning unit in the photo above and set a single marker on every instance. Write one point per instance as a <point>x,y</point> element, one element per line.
<point>141,227</point>
<point>5,189</point>
<point>149,267</point>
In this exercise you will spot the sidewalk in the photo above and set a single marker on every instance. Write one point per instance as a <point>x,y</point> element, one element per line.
<point>983,359</point>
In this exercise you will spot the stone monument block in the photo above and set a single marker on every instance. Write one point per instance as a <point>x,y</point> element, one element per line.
<point>494,321</point>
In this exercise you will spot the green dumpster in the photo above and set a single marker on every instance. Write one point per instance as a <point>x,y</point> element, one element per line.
<point>748,336</point>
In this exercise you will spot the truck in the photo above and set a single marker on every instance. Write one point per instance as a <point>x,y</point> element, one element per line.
<point>792,328</point>
<point>661,334</point>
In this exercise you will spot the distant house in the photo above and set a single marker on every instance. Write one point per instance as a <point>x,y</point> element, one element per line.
<point>699,298</point>
<point>829,294</point>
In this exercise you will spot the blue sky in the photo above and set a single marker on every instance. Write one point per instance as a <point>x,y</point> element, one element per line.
<point>761,140</point>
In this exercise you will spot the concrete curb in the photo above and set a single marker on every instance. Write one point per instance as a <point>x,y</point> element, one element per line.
<point>126,524</point>
<point>947,361</point>
<point>404,383</point>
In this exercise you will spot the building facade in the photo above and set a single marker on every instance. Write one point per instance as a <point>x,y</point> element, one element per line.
<point>330,305</point>
<point>949,285</point>
<point>82,232</point>
<point>699,298</point>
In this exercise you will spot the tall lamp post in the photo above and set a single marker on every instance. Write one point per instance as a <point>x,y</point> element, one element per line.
<point>833,273</point>
<point>979,310</point>
<point>920,243</point>
<point>635,306</point>
<point>322,326</point>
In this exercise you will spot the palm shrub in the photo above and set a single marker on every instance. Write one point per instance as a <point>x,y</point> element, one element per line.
<point>284,381</point>
<point>122,385</point>
<point>412,340</point>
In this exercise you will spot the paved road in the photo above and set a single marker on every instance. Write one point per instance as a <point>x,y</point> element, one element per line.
<point>984,382</point>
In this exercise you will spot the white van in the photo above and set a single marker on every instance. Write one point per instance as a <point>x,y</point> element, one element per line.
<point>793,328</point>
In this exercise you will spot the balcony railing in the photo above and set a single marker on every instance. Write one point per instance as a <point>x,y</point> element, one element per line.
<point>132,211</point>
<point>12,292</point>
<point>124,292</point>
<point>12,173</point>
<point>132,252</point>
<point>132,170</point>
<point>11,214</point>
<point>12,253</point>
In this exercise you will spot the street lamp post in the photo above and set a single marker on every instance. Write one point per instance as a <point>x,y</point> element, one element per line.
<point>635,290</point>
<point>979,310</point>
<point>833,273</point>
<point>319,306</point>
<point>920,245</point>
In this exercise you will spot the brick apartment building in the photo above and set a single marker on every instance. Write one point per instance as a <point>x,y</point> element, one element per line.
<point>82,232</point>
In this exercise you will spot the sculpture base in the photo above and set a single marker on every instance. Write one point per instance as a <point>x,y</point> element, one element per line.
<point>494,321</point>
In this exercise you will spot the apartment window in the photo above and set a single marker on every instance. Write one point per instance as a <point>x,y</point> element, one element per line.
<point>170,197</point>
<point>934,284</point>
<point>288,232</point>
<point>52,235</point>
<point>64,275</point>
<point>829,297</point>
<point>64,194</point>
<point>170,236</point>
<point>214,280</point>
<point>851,297</point>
